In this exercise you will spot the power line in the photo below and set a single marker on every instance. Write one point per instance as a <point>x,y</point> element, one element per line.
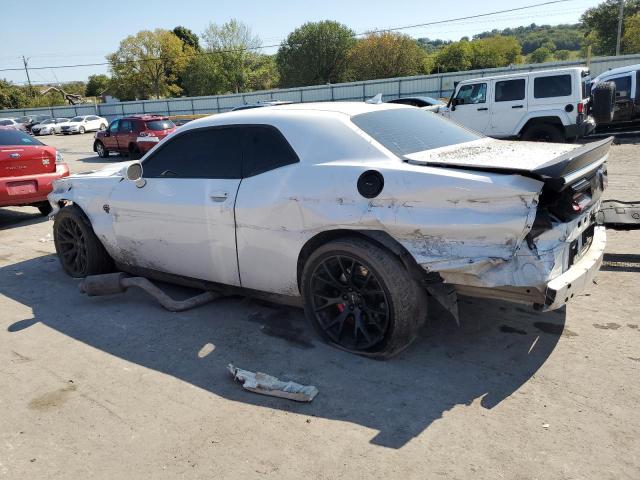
<point>216,52</point>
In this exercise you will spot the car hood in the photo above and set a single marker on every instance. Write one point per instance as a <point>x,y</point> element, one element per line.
<point>108,171</point>
<point>489,153</point>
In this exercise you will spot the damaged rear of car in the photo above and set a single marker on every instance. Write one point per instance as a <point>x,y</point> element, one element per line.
<point>542,244</point>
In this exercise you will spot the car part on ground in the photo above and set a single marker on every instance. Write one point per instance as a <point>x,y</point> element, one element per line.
<point>616,213</point>
<point>113,283</point>
<point>376,203</point>
<point>28,169</point>
<point>268,385</point>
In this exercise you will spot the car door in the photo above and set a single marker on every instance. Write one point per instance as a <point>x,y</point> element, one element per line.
<point>110,139</point>
<point>470,107</point>
<point>125,132</point>
<point>180,218</point>
<point>509,106</point>
<point>264,219</point>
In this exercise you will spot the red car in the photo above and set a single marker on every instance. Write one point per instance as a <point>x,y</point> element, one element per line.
<point>135,135</point>
<point>27,168</point>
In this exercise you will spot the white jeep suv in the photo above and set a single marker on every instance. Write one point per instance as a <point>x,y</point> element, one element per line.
<point>544,105</point>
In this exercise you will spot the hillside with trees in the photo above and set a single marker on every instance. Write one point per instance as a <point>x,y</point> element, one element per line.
<point>228,57</point>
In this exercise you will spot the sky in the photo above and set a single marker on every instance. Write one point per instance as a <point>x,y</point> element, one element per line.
<point>52,34</point>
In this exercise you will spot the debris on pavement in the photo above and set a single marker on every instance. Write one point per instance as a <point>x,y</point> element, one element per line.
<point>268,385</point>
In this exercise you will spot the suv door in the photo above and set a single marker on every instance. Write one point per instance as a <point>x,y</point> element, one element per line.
<point>624,108</point>
<point>509,106</point>
<point>470,107</point>
<point>110,139</point>
<point>125,134</point>
<point>181,221</point>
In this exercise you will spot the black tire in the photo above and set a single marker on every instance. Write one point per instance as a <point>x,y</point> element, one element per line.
<point>102,152</point>
<point>345,312</point>
<point>603,102</point>
<point>543,132</point>
<point>81,130</point>
<point>45,208</point>
<point>79,250</point>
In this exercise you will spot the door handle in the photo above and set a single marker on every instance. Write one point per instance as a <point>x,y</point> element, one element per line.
<point>219,196</point>
<point>517,106</point>
<point>482,109</point>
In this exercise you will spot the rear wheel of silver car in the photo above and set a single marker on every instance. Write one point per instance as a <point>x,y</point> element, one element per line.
<point>81,130</point>
<point>100,150</point>
<point>361,298</point>
<point>79,250</point>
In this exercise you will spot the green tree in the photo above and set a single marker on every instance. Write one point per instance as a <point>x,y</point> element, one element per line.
<point>12,96</point>
<point>96,85</point>
<point>562,54</point>
<point>148,64</point>
<point>387,55</point>
<point>631,38</point>
<point>315,53</point>
<point>188,37</point>
<point>237,47</point>
<point>454,57</point>
<point>263,73</point>
<point>540,55</point>
<point>601,24</point>
<point>497,51</point>
<point>204,76</point>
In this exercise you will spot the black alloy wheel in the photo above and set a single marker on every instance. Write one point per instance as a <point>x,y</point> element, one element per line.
<point>349,303</point>
<point>72,246</point>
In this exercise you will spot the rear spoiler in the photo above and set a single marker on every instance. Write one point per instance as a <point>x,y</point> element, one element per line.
<point>566,169</point>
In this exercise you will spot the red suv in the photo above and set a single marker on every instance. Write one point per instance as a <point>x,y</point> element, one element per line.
<point>135,135</point>
<point>27,168</point>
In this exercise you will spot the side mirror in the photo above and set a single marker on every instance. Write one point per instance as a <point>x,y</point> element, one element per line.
<point>134,171</point>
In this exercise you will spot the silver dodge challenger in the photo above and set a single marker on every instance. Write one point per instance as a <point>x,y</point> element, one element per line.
<point>358,211</point>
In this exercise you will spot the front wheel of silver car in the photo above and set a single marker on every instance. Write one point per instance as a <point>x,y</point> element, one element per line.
<point>81,130</point>
<point>361,298</point>
<point>79,250</point>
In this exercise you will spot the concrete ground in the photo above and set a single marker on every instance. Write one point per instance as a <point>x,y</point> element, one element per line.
<point>120,388</point>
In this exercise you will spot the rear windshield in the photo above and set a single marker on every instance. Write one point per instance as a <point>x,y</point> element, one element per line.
<point>410,130</point>
<point>160,124</point>
<point>16,137</point>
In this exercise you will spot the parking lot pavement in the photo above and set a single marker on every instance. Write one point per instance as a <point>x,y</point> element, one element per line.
<point>116,387</point>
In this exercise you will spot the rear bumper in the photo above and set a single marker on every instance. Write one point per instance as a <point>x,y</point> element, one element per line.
<point>35,187</point>
<point>147,143</point>
<point>580,130</point>
<point>563,288</point>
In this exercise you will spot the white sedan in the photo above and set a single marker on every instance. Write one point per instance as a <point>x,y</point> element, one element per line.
<point>49,127</point>
<point>358,210</point>
<point>84,123</point>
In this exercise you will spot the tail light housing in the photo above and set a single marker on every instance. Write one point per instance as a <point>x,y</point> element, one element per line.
<point>580,108</point>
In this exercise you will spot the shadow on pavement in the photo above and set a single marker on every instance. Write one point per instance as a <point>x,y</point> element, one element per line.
<point>19,218</point>
<point>496,350</point>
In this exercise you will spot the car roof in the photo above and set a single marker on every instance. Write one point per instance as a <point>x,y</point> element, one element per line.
<point>144,117</point>
<point>552,71</point>
<point>619,70</point>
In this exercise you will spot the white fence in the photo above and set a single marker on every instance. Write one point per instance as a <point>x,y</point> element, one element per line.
<point>437,85</point>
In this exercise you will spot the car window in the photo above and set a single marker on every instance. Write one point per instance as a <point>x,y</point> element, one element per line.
<point>160,124</point>
<point>92,117</point>
<point>77,119</point>
<point>623,86</point>
<point>125,126</point>
<point>410,130</point>
<point>201,153</point>
<point>473,93</point>
<point>16,137</point>
<point>510,90</point>
<point>552,86</point>
<point>113,128</point>
<point>61,120</point>
<point>264,149</point>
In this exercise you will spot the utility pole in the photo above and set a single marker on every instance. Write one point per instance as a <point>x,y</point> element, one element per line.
<point>24,60</point>
<point>620,15</point>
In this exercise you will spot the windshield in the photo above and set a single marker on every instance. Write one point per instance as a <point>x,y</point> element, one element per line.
<point>22,119</point>
<point>409,130</point>
<point>160,124</point>
<point>60,120</point>
<point>16,137</point>
<point>47,122</point>
<point>77,119</point>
